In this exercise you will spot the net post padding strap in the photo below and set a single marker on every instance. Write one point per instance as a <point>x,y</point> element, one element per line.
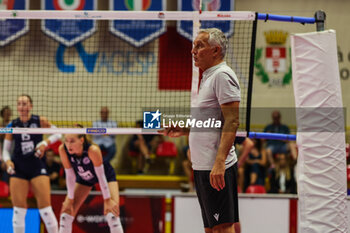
<point>321,161</point>
<point>195,70</point>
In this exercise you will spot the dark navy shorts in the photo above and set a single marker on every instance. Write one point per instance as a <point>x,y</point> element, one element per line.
<point>109,173</point>
<point>147,138</point>
<point>29,168</point>
<point>218,207</point>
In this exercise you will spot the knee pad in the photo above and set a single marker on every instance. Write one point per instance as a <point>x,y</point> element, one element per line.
<point>18,218</point>
<point>66,222</point>
<point>49,219</point>
<point>114,223</point>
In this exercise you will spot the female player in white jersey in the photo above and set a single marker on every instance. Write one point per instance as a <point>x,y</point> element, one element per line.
<point>27,167</point>
<point>84,167</point>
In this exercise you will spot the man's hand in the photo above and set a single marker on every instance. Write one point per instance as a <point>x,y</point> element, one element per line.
<point>217,175</point>
<point>174,131</point>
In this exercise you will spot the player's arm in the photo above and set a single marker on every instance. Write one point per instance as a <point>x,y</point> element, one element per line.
<point>70,174</point>
<point>248,145</point>
<point>175,131</point>
<point>263,159</point>
<point>231,116</point>
<point>42,146</point>
<point>6,156</point>
<point>110,206</point>
<point>96,157</point>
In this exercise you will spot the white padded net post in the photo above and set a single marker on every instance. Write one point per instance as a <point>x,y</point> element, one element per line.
<point>321,136</point>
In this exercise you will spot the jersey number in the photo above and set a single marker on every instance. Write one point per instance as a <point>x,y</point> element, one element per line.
<point>86,175</point>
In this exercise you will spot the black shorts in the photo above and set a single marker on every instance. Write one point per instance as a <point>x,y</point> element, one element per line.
<point>217,207</point>
<point>109,173</point>
<point>29,168</point>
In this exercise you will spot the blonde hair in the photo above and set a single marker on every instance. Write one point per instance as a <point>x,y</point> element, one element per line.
<point>286,169</point>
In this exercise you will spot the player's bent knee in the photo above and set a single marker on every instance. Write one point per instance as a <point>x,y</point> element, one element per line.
<point>49,219</point>
<point>66,222</point>
<point>114,223</point>
<point>19,214</point>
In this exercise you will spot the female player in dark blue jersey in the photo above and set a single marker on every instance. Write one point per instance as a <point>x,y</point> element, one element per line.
<point>84,167</point>
<point>27,168</point>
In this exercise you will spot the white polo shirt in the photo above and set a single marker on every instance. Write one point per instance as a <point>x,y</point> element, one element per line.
<point>105,140</point>
<point>219,85</point>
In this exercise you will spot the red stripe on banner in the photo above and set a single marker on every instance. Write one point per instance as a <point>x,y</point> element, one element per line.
<point>175,61</point>
<point>293,215</point>
<point>10,4</point>
<point>146,5</point>
<point>275,52</point>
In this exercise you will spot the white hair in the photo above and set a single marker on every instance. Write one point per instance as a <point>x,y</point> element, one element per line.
<point>216,37</point>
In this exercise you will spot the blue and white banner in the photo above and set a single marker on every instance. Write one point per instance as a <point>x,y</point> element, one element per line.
<point>11,29</point>
<point>185,27</point>
<point>69,32</point>
<point>137,32</point>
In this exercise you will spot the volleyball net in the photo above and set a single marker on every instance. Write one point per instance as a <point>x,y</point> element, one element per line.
<point>73,63</point>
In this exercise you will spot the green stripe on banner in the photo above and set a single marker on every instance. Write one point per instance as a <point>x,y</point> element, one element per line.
<point>130,4</point>
<point>69,4</point>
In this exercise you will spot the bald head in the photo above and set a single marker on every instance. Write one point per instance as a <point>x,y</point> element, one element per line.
<point>104,113</point>
<point>276,117</point>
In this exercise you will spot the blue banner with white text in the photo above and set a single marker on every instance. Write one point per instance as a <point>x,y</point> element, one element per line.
<point>11,29</point>
<point>137,32</point>
<point>185,27</point>
<point>69,32</point>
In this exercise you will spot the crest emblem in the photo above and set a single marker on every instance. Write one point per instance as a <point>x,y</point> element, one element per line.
<point>275,71</point>
<point>86,160</point>
<point>137,5</point>
<point>7,4</point>
<point>69,32</point>
<point>185,28</point>
<point>69,4</point>
<point>142,32</point>
<point>207,5</point>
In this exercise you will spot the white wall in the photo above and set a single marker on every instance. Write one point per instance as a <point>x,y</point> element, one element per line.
<point>263,215</point>
<point>257,214</point>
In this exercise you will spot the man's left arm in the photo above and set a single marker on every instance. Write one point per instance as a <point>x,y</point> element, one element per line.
<point>231,122</point>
